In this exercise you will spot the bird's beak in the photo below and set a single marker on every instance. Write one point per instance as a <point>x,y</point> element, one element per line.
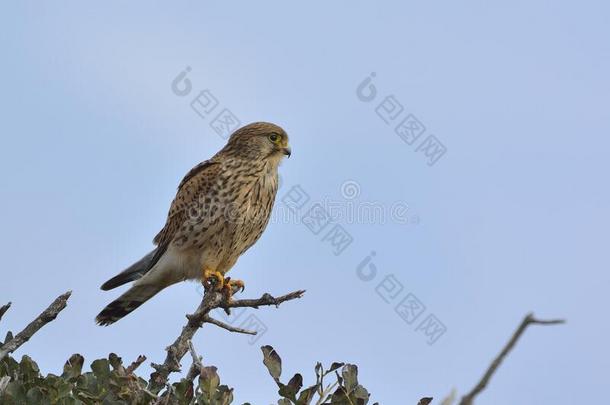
<point>287,151</point>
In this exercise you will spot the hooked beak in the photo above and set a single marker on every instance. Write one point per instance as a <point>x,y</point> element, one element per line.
<point>287,151</point>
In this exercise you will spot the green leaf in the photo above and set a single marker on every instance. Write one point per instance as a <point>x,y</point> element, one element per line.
<point>28,369</point>
<point>101,369</point>
<point>88,386</point>
<point>209,380</point>
<point>307,395</point>
<point>225,395</point>
<point>73,367</point>
<point>8,367</point>
<point>16,392</point>
<point>273,362</point>
<point>335,366</point>
<point>350,377</point>
<point>69,401</point>
<point>35,396</point>
<point>361,393</point>
<point>60,388</point>
<point>296,382</point>
<point>113,401</point>
<point>291,390</point>
<point>115,361</point>
<point>287,392</point>
<point>184,391</point>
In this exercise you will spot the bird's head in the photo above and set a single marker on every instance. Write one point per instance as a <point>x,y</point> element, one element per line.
<point>259,141</point>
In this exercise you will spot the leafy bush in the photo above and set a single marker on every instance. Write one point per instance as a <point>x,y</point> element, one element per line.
<point>109,382</point>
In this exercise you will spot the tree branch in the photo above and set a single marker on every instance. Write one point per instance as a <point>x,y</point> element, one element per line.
<point>197,365</point>
<point>211,300</point>
<point>265,300</point>
<point>45,317</point>
<point>209,319</point>
<point>529,319</point>
<point>133,366</point>
<point>3,309</point>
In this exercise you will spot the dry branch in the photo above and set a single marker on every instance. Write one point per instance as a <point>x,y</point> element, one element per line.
<point>3,309</point>
<point>529,319</point>
<point>211,300</point>
<point>45,317</point>
<point>209,319</point>
<point>197,365</point>
<point>133,366</point>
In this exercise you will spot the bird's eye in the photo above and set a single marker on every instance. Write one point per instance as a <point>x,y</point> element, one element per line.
<point>275,138</point>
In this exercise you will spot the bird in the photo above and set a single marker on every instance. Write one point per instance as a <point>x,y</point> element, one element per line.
<point>221,209</point>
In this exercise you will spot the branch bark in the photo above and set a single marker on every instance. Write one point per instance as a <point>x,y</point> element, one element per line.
<point>211,300</point>
<point>137,363</point>
<point>197,365</point>
<point>529,319</point>
<point>3,309</point>
<point>45,317</point>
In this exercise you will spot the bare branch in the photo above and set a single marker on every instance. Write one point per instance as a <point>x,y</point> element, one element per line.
<point>211,300</point>
<point>4,381</point>
<point>197,365</point>
<point>197,360</point>
<point>45,317</point>
<point>3,309</point>
<point>529,319</point>
<point>133,366</point>
<point>265,300</point>
<point>209,319</point>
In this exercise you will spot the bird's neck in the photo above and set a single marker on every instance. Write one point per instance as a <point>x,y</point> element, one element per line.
<point>248,166</point>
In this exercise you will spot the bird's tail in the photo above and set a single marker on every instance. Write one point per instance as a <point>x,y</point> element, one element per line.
<point>126,303</point>
<point>133,272</point>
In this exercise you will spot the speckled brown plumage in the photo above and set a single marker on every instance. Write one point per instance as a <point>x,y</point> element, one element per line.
<point>221,209</point>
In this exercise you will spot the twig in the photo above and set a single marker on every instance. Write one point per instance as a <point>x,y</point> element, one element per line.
<point>45,317</point>
<point>4,381</point>
<point>209,319</point>
<point>3,309</point>
<point>211,300</point>
<point>197,365</point>
<point>529,319</point>
<point>326,392</point>
<point>133,366</point>
<point>265,300</point>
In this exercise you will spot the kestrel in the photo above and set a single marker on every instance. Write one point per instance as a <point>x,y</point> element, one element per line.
<point>221,209</point>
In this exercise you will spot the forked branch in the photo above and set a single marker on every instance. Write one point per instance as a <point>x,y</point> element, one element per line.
<point>529,319</point>
<point>211,300</point>
<point>41,320</point>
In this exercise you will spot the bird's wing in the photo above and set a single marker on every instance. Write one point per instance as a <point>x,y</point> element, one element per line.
<point>197,182</point>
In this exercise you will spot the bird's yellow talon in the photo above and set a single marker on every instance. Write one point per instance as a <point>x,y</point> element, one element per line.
<point>232,286</point>
<point>214,279</point>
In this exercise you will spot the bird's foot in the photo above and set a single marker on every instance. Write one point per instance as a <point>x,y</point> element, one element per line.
<point>230,287</point>
<point>213,279</point>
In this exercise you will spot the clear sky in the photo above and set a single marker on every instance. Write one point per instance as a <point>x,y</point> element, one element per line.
<point>512,218</point>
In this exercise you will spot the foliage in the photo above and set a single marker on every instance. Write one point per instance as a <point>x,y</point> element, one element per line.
<point>344,391</point>
<point>109,382</point>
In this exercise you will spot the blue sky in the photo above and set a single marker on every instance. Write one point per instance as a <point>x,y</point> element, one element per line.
<point>512,218</point>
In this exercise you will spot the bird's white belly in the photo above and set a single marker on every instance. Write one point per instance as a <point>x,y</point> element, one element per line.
<point>179,265</point>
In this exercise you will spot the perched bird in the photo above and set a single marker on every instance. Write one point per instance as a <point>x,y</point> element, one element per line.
<point>221,209</point>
